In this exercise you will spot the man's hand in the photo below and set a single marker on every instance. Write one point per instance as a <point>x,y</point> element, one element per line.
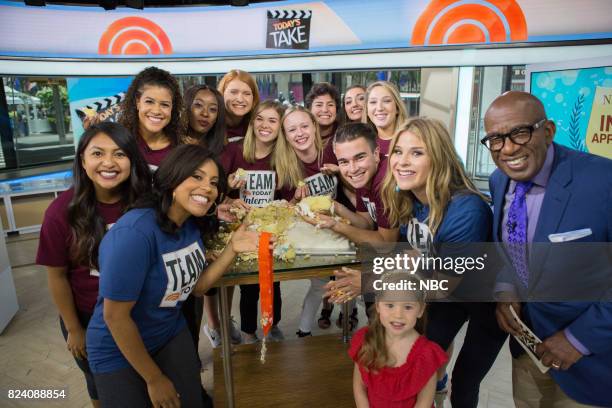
<point>346,286</point>
<point>505,320</point>
<point>557,352</point>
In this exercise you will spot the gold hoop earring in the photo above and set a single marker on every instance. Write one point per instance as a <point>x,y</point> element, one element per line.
<point>173,196</point>
<point>213,208</point>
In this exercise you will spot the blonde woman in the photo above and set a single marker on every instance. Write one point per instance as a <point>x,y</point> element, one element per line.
<point>428,193</point>
<point>300,158</point>
<point>385,111</point>
<point>256,189</point>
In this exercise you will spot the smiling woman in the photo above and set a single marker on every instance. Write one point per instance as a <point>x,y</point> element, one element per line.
<point>206,118</point>
<point>354,103</point>
<point>138,344</point>
<point>385,111</point>
<point>109,174</point>
<point>241,96</point>
<point>323,101</point>
<point>151,111</point>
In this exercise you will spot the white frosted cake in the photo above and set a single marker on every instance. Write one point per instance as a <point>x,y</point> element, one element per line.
<point>294,235</point>
<point>307,239</point>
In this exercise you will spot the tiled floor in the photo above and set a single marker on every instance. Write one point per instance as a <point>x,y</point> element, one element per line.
<point>33,353</point>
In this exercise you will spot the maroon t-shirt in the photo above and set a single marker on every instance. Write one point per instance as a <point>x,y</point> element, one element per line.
<point>369,199</point>
<point>152,157</point>
<point>329,139</point>
<point>261,181</point>
<point>234,133</point>
<point>384,145</point>
<point>54,248</point>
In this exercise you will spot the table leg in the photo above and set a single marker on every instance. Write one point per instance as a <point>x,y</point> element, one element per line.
<point>345,321</point>
<point>226,348</point>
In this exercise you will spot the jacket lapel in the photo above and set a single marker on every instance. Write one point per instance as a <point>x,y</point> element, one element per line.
<point>498,206</point>
<point>556,197</point>
<point>554,204</point>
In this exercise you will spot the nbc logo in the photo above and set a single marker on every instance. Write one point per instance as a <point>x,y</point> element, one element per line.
<point>134,36</point>
<point>470,21</point>
<point>173,297</point>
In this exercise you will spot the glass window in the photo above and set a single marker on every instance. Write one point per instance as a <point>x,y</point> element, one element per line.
<point>489,83</point>
<point>36,128</point>
<point>40,120</point>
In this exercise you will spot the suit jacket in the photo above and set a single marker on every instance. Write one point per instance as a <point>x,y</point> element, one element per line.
<point>578,196</point>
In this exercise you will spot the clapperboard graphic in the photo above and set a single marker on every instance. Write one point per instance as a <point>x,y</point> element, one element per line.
<point>103,110</point>
<point>289,29</point>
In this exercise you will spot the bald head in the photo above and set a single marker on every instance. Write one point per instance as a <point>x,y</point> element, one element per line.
<point>515,112</point>
<point>522,102</point>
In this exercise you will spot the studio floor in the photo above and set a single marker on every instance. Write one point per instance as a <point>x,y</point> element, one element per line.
<point>33,352</point>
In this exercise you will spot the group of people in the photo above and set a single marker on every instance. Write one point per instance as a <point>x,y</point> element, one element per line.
<point>127,264</point>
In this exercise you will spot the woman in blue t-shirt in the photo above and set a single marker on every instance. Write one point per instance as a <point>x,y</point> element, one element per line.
<point>428,193</point>
<point>139,347</point>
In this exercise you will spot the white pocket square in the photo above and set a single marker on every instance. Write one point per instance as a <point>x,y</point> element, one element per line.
<point>570,235</point>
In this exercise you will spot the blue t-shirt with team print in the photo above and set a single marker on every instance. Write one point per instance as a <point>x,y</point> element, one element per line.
<point>141,263</point>
<point>468,218</point>
<point>467,221</point>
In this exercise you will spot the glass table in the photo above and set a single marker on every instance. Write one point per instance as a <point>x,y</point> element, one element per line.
<point>304,266</point>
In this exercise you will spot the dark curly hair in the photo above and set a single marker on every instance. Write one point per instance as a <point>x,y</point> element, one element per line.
<point>215,139</point>
<point>87,224</point>
<point>180,164</point>
<point>156,77</point>
<point>320,89</point>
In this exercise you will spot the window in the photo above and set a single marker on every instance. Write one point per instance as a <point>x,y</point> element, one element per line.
<point>36,127</point>
<point>39,118</point>
<point>489,83</point>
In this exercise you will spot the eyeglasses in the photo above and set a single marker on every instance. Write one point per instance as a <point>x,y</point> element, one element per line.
<point>519,136</point>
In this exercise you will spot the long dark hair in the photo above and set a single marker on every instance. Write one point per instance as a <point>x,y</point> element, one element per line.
<point>343,114</point>
<point>88,227</point>
<point>155,77</point>
<point>181,163</point>
<point>215,138</point>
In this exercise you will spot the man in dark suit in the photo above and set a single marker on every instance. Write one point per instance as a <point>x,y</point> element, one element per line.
<point>544,192</point>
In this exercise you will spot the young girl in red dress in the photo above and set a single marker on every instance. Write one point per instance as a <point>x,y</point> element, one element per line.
<point>395,366</point>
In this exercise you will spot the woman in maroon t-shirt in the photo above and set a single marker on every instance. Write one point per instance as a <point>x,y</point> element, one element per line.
<point>256,188</point>
<point>109,174</point>
<point>152,112</point>
<point>206,127</point>
<point>241,97</point>
<point>353,103</point>
<point>206,113</point>
<point>385,111</point>
<point>323,101</point>
<point>301,158</point>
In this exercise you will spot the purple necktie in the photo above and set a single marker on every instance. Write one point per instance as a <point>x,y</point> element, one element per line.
<point>517,230</point>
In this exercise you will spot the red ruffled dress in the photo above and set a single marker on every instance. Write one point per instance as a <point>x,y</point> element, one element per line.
<point>398,387</point>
